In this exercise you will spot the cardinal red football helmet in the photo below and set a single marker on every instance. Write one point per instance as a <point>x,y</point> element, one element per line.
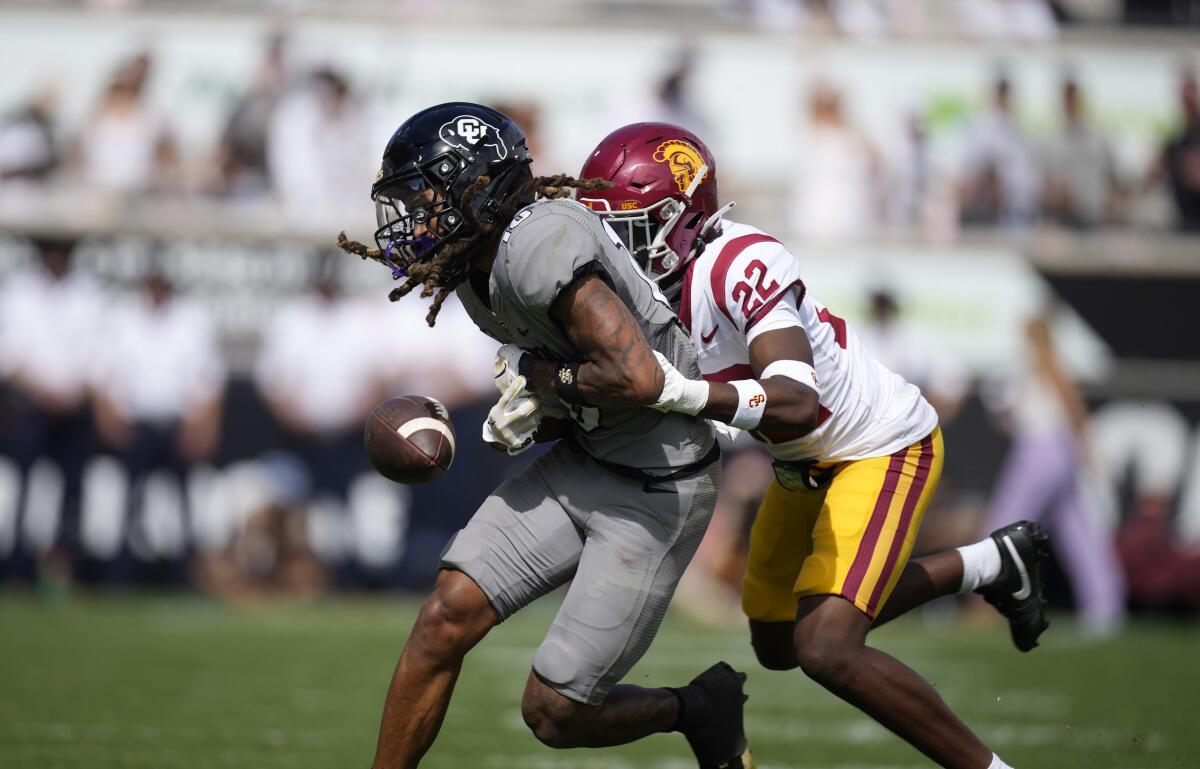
<point>664,195</point>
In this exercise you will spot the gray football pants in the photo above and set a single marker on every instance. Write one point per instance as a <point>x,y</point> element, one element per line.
<point>622,543</point>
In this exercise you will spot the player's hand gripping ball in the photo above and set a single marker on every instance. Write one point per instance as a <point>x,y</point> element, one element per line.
<point>410,439</point>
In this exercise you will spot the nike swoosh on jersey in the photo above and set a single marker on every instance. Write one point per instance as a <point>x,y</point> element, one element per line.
<point>706,338</point>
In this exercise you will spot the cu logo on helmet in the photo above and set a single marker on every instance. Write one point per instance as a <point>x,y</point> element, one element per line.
<point>757,400</point>
<point>465,131</point>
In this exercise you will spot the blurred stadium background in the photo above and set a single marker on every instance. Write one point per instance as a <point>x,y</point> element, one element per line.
<point>996,192</point>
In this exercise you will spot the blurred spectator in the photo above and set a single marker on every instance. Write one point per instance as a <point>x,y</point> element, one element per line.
<point>1043,480</point>
<point>670,99</point>
<point>916,196</point>
<point>859,18</point>
<point>1163,571</point>
<point>158,388</point>
<point>1164,13</point>
<point>452,362</point>
<point>673,103</point>
<point>270,552</point>
<point>1146,448</point>
<point>918,359</point>
<point>834,197</point>
<point>317,149</point>
<point>909,18</point>
<point>1082,186</point>
<point>909,173</point>
<point>48,332</point>
<point>819,18</point>
<point>775,15</point>
<point>320,372</point>
<point>528,115</point>
<point>1025,20</point>
<point>1001,181</point>
<point>242,157</point>
<point>28,150</point>
<point>124,145</point>
<point>1179,158</point>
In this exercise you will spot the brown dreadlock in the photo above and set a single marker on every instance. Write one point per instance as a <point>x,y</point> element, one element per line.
<point>452,264</point>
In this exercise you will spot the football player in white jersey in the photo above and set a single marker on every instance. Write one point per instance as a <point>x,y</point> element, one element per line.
<point>857,449</point>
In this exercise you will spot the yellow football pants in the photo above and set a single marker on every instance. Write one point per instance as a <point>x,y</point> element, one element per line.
<point>851,538</point>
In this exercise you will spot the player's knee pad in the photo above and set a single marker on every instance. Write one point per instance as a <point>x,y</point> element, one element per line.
<point>572,670</point>
<point>560,666</point>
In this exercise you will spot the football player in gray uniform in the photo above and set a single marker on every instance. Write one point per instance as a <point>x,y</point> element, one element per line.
<point>616,507</point>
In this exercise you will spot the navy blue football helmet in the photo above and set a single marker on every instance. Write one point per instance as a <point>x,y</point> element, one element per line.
<point>430,162</point>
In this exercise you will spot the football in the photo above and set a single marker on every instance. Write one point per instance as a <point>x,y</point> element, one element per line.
<point>410,439</point>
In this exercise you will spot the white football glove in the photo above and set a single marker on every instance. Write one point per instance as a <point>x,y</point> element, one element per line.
<point>504,371</point>
<point>505,368</point>
<point>686,396</point>
<point>514,419</point>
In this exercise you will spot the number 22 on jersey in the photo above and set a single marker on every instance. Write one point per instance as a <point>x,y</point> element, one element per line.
<point>753,298</point>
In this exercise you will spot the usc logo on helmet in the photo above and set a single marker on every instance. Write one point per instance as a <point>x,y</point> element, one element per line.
<point>684,159</point>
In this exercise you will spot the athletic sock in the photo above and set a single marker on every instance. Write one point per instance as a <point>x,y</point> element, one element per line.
<point>997,763</point>
<point>981,565</point>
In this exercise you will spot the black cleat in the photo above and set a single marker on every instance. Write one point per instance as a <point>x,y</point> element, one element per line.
<point>1017,593</point>
<point>712,718</point>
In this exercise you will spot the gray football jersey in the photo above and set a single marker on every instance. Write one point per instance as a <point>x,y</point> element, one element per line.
<point>547,246</point>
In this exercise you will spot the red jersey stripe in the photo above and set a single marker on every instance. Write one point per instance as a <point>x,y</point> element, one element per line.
<point>724,261</point>
<point>685,297</point>
<point>866,548</point>
<point>910,504</point>
<point>761,312</point>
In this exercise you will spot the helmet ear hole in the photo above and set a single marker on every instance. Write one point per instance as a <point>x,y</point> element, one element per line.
<point>443,169</point>
<point>669,211</point>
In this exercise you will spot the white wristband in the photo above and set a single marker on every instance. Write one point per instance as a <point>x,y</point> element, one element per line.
<point>693,397</point>
<point>752,404</point>
<point>794,369</point>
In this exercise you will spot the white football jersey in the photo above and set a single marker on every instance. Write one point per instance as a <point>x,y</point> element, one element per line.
<point>747,283</point>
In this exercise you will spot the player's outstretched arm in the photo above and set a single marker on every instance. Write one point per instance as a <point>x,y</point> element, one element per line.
<point>791,404</point>
<point>619,368</point>
<point>783,396</point>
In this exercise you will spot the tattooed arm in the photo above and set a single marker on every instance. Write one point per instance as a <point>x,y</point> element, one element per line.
<point>619,368</point>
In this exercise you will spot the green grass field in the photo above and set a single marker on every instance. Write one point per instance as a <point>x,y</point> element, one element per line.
<point>167,683</point>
